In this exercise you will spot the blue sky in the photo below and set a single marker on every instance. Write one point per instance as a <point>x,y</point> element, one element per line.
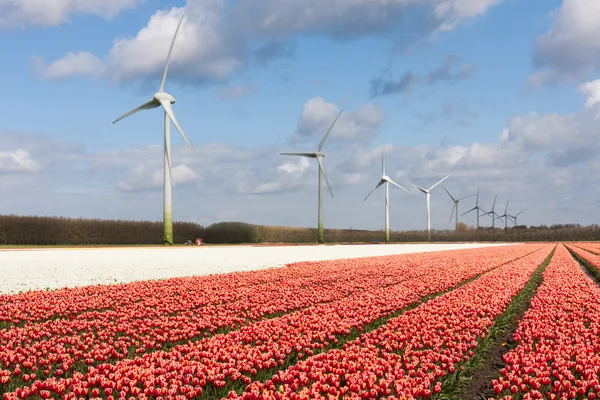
<point>475,70</point>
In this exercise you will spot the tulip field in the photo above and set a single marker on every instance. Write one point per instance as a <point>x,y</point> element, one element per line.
<point>393,327</point>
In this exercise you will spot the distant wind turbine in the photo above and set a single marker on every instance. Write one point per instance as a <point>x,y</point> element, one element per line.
<point>455,206</point>
<point>385,180</point>
<point>319,155</point>
<point>477,209</point>
<point>164,99</point>
<point>505,216</point>
<point>428,193</point>
<point>493,213</point>
<point>514,217</point>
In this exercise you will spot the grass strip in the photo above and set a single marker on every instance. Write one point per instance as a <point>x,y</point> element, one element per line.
<point>472,381</point>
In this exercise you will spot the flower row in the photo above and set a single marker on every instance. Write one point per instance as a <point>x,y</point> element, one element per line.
<point>410,356</point>
<point>558,352</point>
<point>174,295</point>
<point>271,343</point>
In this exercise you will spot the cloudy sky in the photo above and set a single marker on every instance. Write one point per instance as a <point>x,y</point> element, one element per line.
<point>501,95</point>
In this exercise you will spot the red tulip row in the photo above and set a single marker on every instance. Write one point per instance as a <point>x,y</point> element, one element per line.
<point>590,256</point>
<point>182,294</point>
<point>590,247</point>
<point>176,294</point>
<point>270,343</point>
<point>409,356</point>
<point>55,348</point>
<point>558,352</point>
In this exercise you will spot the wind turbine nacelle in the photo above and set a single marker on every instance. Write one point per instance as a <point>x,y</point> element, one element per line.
<point>385,178</point>
<point>319,154</point>
<point>164,96</point>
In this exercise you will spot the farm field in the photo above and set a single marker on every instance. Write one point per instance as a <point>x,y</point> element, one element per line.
<point>403,326</point>
<point>52,268</point>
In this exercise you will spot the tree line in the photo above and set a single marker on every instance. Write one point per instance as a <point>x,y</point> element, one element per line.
<point>58,231</point>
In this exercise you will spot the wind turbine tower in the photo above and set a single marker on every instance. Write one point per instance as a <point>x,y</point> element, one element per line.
<point>319,155</point>
<point>164,99</point>
<point>385,180</point>
<point>455,207</point>
<point>428,194</point>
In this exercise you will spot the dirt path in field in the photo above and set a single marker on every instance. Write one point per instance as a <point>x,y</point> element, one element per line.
<point>480,385</point>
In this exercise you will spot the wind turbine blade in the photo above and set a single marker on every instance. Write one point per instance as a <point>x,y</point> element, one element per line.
<point>472,209</point>
<point>395,184</point>
<point>506,209</point>
<point>494,205</point>
<point>466,197</point>
<point>418,187</point>
<point>329,131</point>
<point>325,175</point>
<point>146,106</point>
<point>383,160</point>
<point>477,201</point>
<point>520,213</point>
<point>439,182</point>
<point>164,77</point>
<point>311,155</point>
<point>381,182</point>
<point>169,110</point>
<point>453,199</point>
<point>452,213</point>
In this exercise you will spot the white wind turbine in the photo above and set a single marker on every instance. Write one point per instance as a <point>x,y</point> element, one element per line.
<point>477,209</point>
<point>428,193</point>
<point>319,155</point>
<point>505,216</point>
<point>385,180</point>
<point>455,207</point>
<point>164,99</point>
<point>514,217</point>
<point>493,213</point>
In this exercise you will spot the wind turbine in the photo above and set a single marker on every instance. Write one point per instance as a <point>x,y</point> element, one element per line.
<point>476,208</point>
<point>385,180</point>
<point>164,99</point>
<point>514,217</point>
<point>493,213</point>
<point>428,193</point>
<point>505,216</point>
<point>455,207</point>
<point>319,155</point>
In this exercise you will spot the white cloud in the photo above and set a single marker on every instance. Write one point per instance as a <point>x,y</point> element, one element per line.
<point>219,39</point>
<point>17,161</point>
<point>452,12</point>
<point>293,168</point>
<point>359,125</point>
<point>145,177</point>
<point>73,64</point>
<point>570,49</point>
<point>592,90</point>
<point>16,13</point>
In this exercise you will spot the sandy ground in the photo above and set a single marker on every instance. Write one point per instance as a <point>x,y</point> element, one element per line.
<point>31,269</point>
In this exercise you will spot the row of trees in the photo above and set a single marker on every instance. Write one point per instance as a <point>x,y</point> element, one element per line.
<point>54,231</point>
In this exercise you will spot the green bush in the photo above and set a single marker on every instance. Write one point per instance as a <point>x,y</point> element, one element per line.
<point>232,233</point>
